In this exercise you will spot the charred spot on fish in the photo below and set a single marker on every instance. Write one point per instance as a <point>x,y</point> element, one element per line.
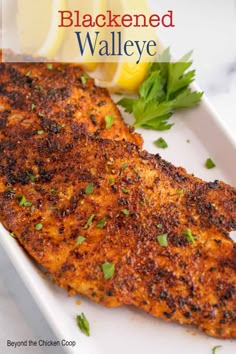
<point>93,119</point>
<point>50,125</point>
<point>101,103</point>
<point>213,185</point>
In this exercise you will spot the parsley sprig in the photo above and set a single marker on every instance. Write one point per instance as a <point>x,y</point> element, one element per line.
<point>165,89</point>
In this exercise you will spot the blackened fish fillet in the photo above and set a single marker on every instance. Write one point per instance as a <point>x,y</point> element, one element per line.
<point>58,187</point>
<point>51,97</point>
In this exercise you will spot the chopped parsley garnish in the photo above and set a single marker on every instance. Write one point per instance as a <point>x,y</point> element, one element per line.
<point>89,222</point>
<point>40,87</point>
<point>123,167</point>
<point>41,115</point>
<point>28,73</point>
<point>80,240</point>
<point>125,211</point>
<point>108,270</point>
<point>111,180</point>
<point>12,234</point>
<point>162,240</point>
<point>83,324</point>
<point>147,201</point>
<point>180,191</point>
<point>49,66</point>
<point>216,348</point>
<point>32,209</point>
<point>89,188</point>
<point>189,235</point>
<point>54,208</point>
<point>210,164</point>
<point>40,132</point>
<point>109,119</point>
<point>33,106</point>
<point>101,223</point>
<point>159,226</point>
<point>161,143</point>
<point>136,171</point>
<point>125,190</point>
<point>63,125</point>
<point>31,177</point>
<point>38,227</point>
<point>165,90</point>
<point>23,201</point>
<point>84,79</point>
<point>53,190</point>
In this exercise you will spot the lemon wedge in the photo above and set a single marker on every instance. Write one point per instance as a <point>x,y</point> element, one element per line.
<point>125,75</point>
<point>122,77</point>
<point>69,50</point>
<point>38,29</point>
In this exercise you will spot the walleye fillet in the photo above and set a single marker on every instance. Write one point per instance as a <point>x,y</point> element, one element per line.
<point>51,97</point>
<point>163,231</point>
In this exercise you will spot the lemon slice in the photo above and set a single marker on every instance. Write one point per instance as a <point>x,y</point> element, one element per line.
<point>121,77</point>
<point>38,29</point>
<point>125,75</point>
<point>69,51</point>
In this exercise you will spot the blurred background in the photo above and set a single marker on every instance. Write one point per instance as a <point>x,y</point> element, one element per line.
<point>209,28</point>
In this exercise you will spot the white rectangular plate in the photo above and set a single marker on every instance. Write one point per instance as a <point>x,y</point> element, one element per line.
<point>127,330</point>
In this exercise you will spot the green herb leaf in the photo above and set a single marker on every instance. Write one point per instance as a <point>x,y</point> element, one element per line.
<point>33,106</point>
<point>84,79</point>
<point>125,190</point>
<point>39,87</point>
<point>210,164</point>
<point>127,103</point>
<point>22,201</point>
<point>89,188</point>
<point>41,115</point>
<point>111,180</point>
<point>49,66</point>
<point>27,204</point>
<point>189,235</point>
<point>12,234</point>
<point>38,227</point>
<point>108,270</point>
<point>216,348</point>
<point>83,324</point>
<point>80,240</point>
<point>40,132</point>
<point>109,119</point>
<point>161,143</point>
<point>31,177</point>
<point>28,73</point>
<point>135,171</point>
<point>101,223</point>
<point>162,239</point>
<point>53,191</point>
<point>179,191</point>
<point>165,89</point>
<point>89,222</point>
<point>123,167</point>
<point>159,226</point>
<point>125,211</point>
